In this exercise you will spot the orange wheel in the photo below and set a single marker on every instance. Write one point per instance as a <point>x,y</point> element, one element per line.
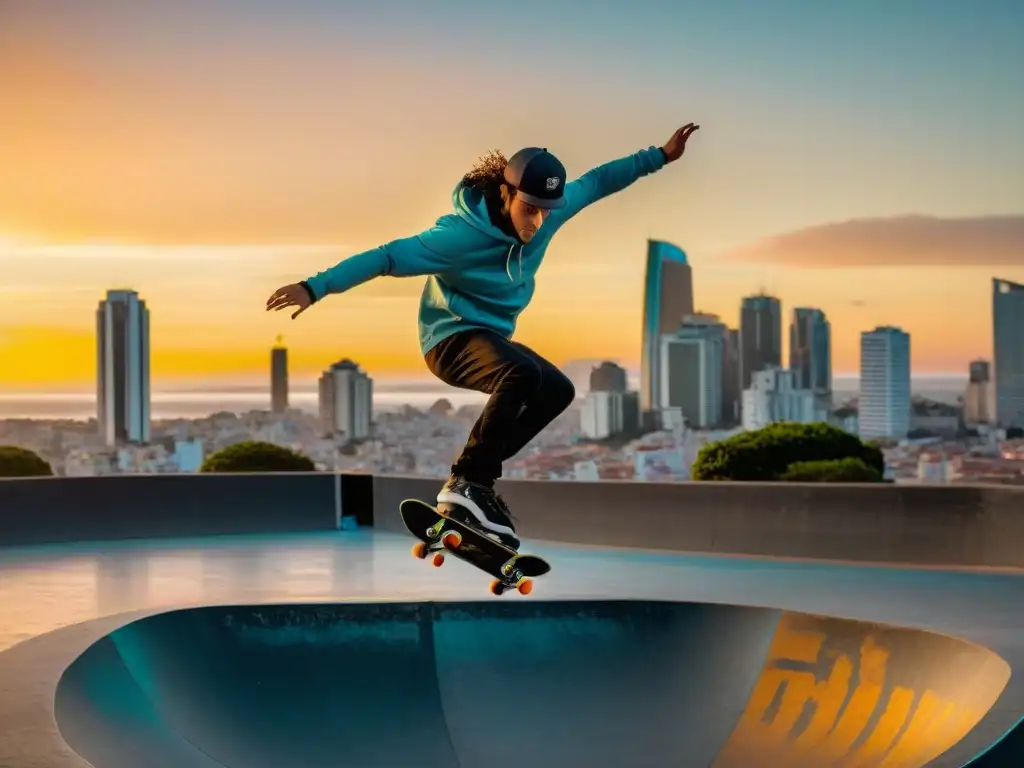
<point>438,559</point>
<point>525,587</point>
<point>497,587</point>
<point>451,540</point>
<point>419,550</point>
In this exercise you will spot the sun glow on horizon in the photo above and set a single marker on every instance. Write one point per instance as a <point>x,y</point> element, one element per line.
<point>205,154</point>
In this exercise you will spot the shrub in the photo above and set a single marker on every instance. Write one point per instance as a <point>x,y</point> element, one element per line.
<point>835,471</point>
<point>256,456</point>
<point>21,462</point>
<point>765,454</point>
<point>872,456</point>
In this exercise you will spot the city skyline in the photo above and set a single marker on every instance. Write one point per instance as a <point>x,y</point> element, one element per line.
<point>280,355</point>
<point>282,379</point>
<point>248,173</point>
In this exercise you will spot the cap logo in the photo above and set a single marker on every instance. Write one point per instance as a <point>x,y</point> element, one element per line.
<point>552,183</point>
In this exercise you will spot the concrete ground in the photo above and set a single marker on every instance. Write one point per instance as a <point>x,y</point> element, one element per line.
<point>59,599</point>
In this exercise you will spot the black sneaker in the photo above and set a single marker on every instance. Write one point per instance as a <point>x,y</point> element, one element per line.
<point>478,506</point>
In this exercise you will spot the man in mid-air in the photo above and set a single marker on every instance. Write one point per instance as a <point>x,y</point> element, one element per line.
<point>480,263</point>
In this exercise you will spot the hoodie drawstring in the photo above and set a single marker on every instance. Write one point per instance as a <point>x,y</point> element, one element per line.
<point>508,262</point>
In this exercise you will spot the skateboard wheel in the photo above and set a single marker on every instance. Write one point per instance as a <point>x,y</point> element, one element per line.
<point>419,550</point>
<point>452,540</point>
<point>497,587</point>
<point>438,559</point>
<point>525,587</point>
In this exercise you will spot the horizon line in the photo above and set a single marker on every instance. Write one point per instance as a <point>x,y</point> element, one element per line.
<point>310,386</point>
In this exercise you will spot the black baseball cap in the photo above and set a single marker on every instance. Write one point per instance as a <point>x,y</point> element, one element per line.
<point>538,177</point>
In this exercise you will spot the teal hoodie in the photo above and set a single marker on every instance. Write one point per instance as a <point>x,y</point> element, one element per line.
<point>477,275</point>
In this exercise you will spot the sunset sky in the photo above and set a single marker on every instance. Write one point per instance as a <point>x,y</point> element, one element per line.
<point>862,157</point>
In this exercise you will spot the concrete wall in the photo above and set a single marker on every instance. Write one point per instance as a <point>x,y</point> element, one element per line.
<point>952,525</point>
<point>922,525</point>
<point>44,510</point>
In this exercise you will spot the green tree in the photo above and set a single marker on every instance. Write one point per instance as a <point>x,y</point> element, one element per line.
<point>256,456</point>
<point>872,456</point>
<point>836,471</point>
<point>765,454</point>
<point>21,462</point>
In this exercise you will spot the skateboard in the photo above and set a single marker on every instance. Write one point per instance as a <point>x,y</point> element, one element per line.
<point>439,533</point>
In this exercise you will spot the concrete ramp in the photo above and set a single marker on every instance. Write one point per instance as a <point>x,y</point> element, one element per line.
<point>520,682</point>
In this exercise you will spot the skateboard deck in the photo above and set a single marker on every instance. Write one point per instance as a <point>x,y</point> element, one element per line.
<point>440,534</point>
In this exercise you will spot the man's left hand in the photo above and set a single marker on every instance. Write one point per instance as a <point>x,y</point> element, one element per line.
<point>676,145</point>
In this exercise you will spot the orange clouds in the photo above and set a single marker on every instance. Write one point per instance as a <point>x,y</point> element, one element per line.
<point>896,241</point>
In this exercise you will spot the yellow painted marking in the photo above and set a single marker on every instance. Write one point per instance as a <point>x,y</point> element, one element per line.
<point>795,716</point>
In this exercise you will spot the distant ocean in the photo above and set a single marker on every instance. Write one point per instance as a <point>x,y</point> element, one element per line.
<point>193,404</point>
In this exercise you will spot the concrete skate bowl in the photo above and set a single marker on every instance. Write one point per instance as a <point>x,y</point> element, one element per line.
<point>520,683</point>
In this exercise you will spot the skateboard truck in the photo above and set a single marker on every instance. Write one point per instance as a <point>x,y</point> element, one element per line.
<point>421,549</point>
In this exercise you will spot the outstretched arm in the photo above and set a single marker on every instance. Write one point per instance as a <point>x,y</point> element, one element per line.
<point>427,253</point>
<point>607,179</point>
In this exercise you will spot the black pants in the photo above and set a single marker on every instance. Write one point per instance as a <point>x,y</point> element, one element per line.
<point>527,393</point>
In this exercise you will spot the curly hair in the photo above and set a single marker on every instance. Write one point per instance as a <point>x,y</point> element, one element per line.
<point>488,174</point>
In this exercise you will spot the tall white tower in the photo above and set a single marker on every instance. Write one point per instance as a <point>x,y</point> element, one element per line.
<point>884,383</point>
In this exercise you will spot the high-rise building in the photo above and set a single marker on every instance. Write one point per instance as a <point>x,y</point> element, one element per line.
<point>884,383</point>
<point>1008,358</point>
<point>630,411</point>
<point>668,297</point>
<point>608,377</point>
<point>279,378</point>
<point>760,336</point>
<point>978,398</point>
<point>691,370</point>
<point>810,351</point>
<point>732,393</point>
<point>609,408</point>
<point>774,395</point>
<point>122,368</point>
<point>601,416</point>
<point>346,401</point>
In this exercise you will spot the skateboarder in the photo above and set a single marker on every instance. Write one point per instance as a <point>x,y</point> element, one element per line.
<point>480,262</point>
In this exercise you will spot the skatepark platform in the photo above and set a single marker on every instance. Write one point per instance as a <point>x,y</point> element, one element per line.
<point>336,647</point>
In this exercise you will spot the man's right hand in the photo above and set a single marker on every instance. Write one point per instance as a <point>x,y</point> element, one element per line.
<point>294,295</point>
